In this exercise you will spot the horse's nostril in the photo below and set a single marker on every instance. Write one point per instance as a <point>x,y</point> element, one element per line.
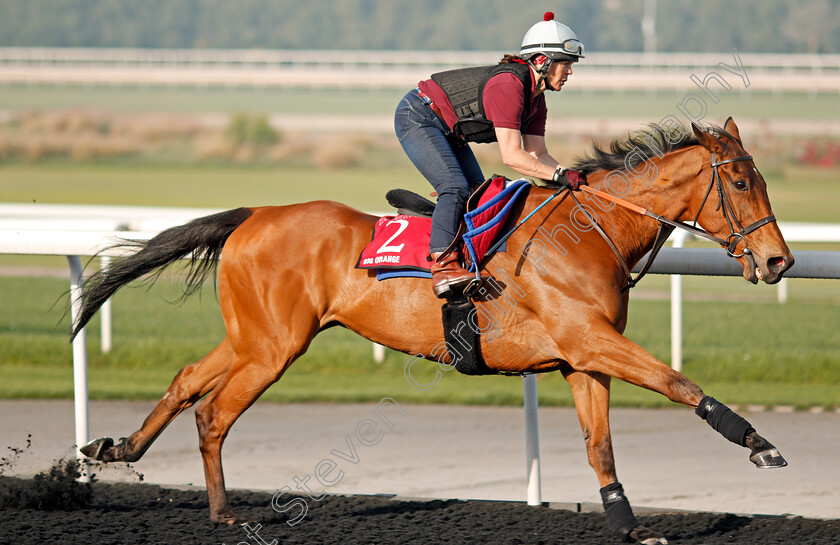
<point>776,262</point>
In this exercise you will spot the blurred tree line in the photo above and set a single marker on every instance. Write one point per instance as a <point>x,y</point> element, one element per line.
<point>763,26</point>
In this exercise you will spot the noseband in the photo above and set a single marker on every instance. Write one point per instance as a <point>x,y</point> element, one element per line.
<point>735,237</point>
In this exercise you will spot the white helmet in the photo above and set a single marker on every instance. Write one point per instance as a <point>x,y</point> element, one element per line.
<point>552,39</point>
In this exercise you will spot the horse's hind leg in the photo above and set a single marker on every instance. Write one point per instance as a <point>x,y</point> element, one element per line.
<point>592,400</point>
<point>188,386</point>
<point>244,383</point>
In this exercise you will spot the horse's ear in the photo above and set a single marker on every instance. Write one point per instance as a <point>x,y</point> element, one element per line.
<point>732,129</point>
<point>707,140</point>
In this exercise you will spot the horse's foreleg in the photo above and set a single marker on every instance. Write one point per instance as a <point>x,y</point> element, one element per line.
<point>735,428</point>
<point>607,351</point>
<point>591,392</point>
<point>592,398</point>
<point>188,386</point>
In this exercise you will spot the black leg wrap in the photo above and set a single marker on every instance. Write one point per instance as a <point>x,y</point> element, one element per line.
<point>724,420</point>
<point>619,514</point>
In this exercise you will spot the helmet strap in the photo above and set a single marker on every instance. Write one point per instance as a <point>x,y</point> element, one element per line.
<point>543,72</point>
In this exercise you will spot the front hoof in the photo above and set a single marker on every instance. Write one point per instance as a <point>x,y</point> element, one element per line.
<point>646,536</point>
<point>768,459</point>
<point>98,449</point>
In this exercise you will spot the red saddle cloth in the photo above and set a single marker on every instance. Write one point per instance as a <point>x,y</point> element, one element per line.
<point>400,244</point>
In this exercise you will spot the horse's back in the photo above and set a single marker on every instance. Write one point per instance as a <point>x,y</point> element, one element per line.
<point>304,229</point>
<point>312,214</point>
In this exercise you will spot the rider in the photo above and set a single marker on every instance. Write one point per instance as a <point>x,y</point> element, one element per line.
<point>503,103</point>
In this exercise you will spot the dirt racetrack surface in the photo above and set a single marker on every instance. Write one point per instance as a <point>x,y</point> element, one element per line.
<point>53,508</point>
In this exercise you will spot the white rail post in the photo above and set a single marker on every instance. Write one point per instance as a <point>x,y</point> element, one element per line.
<point>532,439</point>
<point>80,386</point>
<point>782,293</point>
<point>676,310</point>
<point>105,314</point>
<point>378,353</point>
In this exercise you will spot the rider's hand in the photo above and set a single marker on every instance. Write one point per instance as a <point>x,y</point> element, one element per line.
<point>570,179</point>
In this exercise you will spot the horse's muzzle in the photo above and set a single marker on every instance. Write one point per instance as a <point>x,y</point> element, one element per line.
<point>770,272</point>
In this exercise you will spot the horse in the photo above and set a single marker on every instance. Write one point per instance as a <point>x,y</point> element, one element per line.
<point>561,284</point>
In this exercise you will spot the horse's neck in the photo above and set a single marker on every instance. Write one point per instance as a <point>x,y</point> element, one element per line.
<point>668,194</point>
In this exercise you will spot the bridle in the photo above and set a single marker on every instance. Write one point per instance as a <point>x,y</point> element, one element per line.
<point>734,238</point>
<point>666,226</point>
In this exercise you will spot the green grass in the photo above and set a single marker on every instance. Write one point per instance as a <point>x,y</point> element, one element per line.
<point>796,193</point>
<point>794,353</point>
<point>572,102</point>
<point>806,194</point>
<point>655,106</point>
<point>215,186</point>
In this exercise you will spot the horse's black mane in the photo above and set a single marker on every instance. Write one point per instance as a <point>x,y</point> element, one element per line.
<point>644,141</point>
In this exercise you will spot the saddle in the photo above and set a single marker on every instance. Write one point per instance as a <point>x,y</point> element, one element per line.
<point>409,203</point>
<point>488,210</point>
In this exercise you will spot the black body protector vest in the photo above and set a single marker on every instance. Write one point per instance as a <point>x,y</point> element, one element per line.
<point>464,88</point>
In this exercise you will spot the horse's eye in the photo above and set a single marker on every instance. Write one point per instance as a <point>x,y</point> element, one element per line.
<point>741,185</point>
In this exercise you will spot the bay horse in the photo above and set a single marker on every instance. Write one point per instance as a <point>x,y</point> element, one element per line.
<point>283,277</point>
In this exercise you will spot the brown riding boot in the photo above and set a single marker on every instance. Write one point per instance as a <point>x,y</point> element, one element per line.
<point>447,273</point>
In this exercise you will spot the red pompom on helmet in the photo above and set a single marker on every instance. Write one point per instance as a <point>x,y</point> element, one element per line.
<point>549,16</point>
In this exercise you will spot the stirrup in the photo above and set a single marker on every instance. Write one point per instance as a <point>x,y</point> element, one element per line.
<point>445,291</point>
<point>471,288</point>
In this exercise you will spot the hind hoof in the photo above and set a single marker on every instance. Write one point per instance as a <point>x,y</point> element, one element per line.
<point>97,447</point>
<point>646,536</point>
<point>228,516</point>
<point>768,459</point>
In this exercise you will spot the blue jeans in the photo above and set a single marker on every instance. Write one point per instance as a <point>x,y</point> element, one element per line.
<point>446,161</point>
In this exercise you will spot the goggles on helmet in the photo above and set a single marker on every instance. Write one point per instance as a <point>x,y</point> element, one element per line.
<point>572,46</point>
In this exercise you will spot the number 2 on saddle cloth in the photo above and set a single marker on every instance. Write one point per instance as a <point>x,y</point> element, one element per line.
<point>400,243</point>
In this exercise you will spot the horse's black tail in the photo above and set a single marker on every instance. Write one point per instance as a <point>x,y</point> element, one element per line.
<point>203,237</point>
